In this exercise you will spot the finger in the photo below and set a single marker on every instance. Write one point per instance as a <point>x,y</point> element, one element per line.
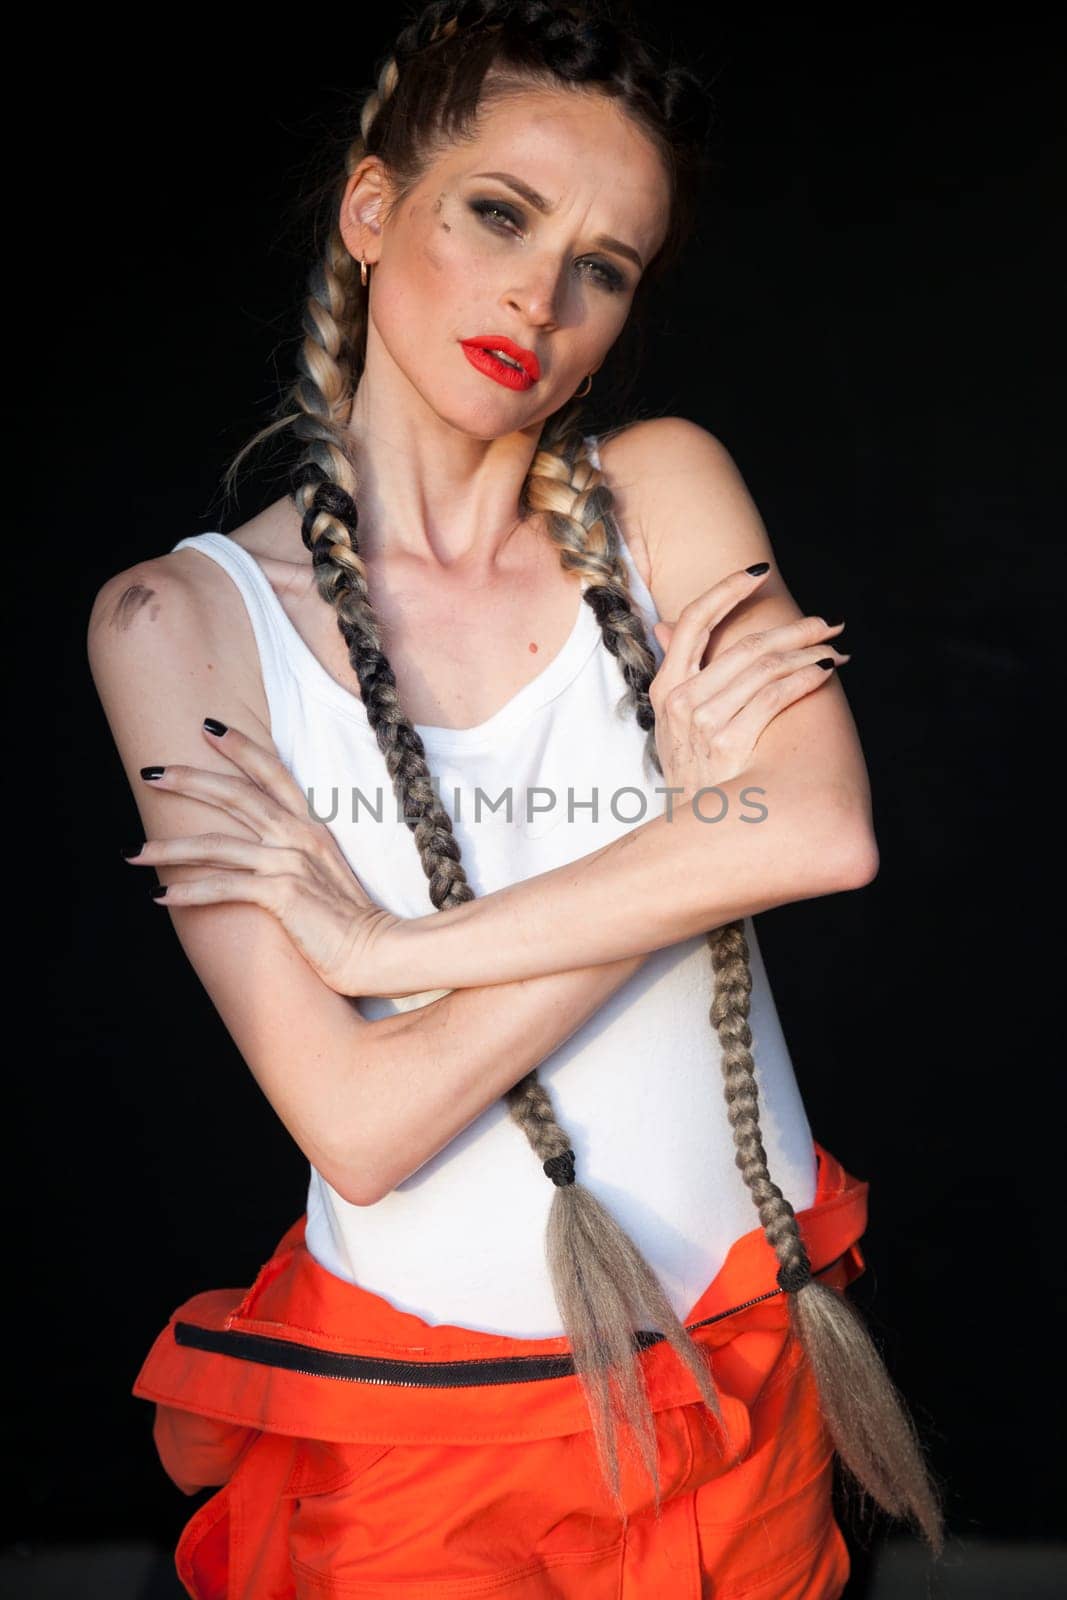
<point>217,849</point>
<point>263,765</point>
<point>783,636</point>
<point>752,661</point>
<point>219,887</point>
<point>721,701</point>
<point>690,636</point>
<point>241,798</point>
<point>754,718</point>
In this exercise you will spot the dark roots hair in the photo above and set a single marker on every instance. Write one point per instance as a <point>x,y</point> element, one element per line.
<point>448,64</point>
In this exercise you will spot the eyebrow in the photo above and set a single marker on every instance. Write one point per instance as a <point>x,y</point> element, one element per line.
<point>603,241</point>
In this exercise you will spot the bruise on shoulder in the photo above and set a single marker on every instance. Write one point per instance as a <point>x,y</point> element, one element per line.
<point>130,603</point>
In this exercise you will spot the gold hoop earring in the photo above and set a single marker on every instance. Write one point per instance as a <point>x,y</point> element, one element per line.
<point>363,272</point>
<point>580,394</point>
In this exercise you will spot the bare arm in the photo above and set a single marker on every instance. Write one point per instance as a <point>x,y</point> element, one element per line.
<point>437,1068</point>
<point>367,1102</point>
<point>660,883</point>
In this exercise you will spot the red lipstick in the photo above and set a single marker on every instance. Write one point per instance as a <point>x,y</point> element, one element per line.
<point>479,352</point>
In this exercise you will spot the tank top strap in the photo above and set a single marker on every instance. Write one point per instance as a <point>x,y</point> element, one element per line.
<point>262,605</point>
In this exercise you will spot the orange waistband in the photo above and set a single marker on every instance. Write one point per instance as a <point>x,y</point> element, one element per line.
<point>307,1353</point>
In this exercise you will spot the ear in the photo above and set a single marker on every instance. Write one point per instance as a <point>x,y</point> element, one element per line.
<point>362,207</point>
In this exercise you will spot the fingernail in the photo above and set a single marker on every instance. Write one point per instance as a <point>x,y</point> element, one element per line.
<point>827,662</point>
<point>214,726</point>
<point>129,850</point>
<point>833,624</point>
<point>159,891</point>
<point>761,566</point>
<point>152,772</point>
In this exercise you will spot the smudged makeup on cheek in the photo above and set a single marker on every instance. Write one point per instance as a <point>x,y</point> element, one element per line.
<point>435,248</point>
<point>447,226</point>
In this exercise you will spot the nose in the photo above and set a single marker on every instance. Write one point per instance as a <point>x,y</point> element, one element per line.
<point>536,296</point>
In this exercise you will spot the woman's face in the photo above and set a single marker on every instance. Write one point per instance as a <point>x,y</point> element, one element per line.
<point>465,255</point>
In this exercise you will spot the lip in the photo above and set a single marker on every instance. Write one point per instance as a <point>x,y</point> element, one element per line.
<point>476,350</point>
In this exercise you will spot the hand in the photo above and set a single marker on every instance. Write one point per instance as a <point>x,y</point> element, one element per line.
<point>297,870</point>
<point>709,720</point>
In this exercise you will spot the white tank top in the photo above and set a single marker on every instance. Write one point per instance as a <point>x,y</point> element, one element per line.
<point>638,1088</point>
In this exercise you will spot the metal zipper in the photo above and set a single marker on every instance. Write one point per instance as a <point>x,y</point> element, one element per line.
<point>313,1361</point>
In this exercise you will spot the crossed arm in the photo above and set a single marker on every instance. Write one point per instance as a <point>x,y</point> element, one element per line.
<point>371,1102</point>
<point>682,873</point>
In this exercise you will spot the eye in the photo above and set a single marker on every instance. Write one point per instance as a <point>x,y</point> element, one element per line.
<point>486,208</point>
<point>606,276</point>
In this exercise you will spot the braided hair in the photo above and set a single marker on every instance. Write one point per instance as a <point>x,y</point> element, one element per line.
<point>446,65</point>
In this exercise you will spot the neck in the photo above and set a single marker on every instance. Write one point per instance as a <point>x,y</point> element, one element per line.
<point>429,493</point>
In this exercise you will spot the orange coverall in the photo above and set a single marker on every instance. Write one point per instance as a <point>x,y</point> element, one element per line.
<point>356,1450</point>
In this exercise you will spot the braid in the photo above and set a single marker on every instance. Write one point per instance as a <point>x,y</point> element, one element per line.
<point>582,524</point>
<point>601,1282</point>
<point>729,1014</point>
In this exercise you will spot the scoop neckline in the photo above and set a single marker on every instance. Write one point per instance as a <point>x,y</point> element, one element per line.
<point>583,638</point>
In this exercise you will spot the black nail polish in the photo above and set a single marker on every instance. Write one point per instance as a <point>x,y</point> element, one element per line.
<point>833,622</point>
<point>214,726</point>
<point>760,566</point>
<point>159,891</point>
<point>827,662</point>
<point>152,772</point>
<point>129,850</point>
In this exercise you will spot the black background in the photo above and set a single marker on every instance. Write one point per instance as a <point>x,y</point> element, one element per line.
<point>867,321</point>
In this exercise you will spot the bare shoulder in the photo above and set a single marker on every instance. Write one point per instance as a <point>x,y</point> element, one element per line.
<point>654,468</point>
<point>150,607</point>
<point>697,518</point>
<point>160,665</point>
<point>180,588</point>
<point>178,614</point>
<point>131,602</point>
<point>621,459</point>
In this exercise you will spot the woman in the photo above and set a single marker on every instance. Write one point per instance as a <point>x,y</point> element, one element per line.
<point>417,1395</point>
